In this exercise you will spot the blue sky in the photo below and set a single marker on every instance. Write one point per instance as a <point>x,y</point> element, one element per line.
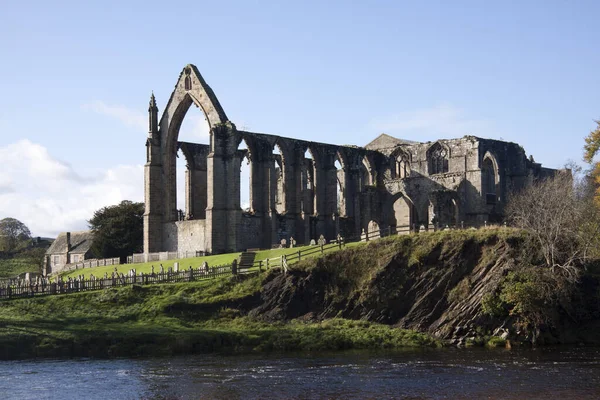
<point>75,79</point>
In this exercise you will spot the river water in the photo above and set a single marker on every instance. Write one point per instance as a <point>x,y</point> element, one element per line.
<point>548,373</point>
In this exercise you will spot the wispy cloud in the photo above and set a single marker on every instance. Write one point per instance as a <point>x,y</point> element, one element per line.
<point>194,127</point>
<point>441,121</point>
<point>131,118</point>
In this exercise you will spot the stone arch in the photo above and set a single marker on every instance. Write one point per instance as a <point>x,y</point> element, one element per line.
<point>310,179</point>
<point>373,229</point>
<point>366,173</point>
<point>341,183</point>
<point>248,154</point>
<point>279,175</point>
<point>490,179</point>
<point>400,161</point>
<point>190,89</point>
<point>438,155</point>
<point>402,214</point>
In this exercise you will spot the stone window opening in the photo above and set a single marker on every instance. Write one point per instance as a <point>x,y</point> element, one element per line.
<point>308,196</point>
<point>402,166</point>
<point>340,175</point>
<point>438,159</point>
<point>188,80</point>
<point>489,181</point>
<point>245,182</point>
<point>277,183</point>
<point>365,174</point>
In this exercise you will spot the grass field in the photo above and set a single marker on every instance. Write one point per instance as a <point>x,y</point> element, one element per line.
<point>10,268</point>
<point>178,318</point>
<point>195,262</point>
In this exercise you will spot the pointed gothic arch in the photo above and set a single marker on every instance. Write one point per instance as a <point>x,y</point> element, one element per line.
<point>490,179</point>
<point>400,161</point>
<point>191,88</point>
<point>437,156</point>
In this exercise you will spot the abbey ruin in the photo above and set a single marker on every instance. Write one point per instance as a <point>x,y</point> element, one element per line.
<point>305,189</point>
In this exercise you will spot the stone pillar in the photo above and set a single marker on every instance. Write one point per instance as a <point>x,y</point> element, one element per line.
<point>189,192</point>
<point>200,191</point>
<point>223,213</point>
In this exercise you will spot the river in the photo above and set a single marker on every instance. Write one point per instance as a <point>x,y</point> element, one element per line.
<point>546,373</point>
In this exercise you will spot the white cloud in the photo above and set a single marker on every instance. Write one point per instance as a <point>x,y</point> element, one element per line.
<point>131,118</point>
<point>50,197</point>
<point>194,129</point>
<point>442,121</point>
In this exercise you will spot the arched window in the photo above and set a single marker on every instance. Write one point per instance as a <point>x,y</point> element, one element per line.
<point>188,79</point>
<point>402,166</point>
<point>489,181</point>
<point>438,159</point>
<point>365,174</point>
<point>339,187</point>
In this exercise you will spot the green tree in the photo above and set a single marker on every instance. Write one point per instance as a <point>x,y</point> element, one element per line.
<point>13,234</point>
<point>118,230</point>
<point>590,150</point>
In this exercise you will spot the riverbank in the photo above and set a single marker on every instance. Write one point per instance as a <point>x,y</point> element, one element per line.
<point>463,288</point>
<point>170,319</point>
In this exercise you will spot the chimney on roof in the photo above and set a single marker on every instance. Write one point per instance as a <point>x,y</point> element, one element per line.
<point>68,242</point>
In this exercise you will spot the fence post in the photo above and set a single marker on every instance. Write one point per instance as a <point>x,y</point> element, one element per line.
<point>259,266</point>
<point>234,270</point>
<point>299,255</point>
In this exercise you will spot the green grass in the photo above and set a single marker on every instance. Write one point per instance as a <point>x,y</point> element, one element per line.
<point>220,259</point>
<point>214,315</point>
<point>10,268</point>
<point>174,319</point>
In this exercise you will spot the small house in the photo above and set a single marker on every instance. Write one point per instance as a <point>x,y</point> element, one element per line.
<point>68,248</point>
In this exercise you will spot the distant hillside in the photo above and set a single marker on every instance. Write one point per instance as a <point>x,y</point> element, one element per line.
<point>28,259</point>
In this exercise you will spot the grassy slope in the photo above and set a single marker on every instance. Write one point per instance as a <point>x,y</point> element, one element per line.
<point>220,259</point>
<point>209,316</point>
<point>10,268</point>
<point>170,319</point>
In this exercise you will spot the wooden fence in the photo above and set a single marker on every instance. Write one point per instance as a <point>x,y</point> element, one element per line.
<point>19,288</point>
<point>43,286</point>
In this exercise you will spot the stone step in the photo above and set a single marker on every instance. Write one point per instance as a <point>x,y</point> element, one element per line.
<point>246,259</point>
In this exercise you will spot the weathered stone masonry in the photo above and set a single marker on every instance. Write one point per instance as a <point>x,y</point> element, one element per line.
<point>387,183</point>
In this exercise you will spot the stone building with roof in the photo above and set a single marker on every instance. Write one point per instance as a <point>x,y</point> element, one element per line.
<point>68,248</point>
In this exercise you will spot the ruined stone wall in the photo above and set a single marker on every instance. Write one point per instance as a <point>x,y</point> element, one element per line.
<point>251,232</point>
<point>389,182</point>
<point>185,236</point>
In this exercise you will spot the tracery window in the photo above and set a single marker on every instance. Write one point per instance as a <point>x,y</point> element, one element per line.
<point>402,166</point>
<point>188,79</point>
<point>438,159</point>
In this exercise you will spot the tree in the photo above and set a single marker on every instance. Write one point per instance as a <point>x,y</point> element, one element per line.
<point>590,150</point>
<point>118,230</point>
<point>563,222</point>
<point>13,232</point>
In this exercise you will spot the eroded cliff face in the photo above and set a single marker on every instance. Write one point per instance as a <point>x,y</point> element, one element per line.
<point>431,283</point>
